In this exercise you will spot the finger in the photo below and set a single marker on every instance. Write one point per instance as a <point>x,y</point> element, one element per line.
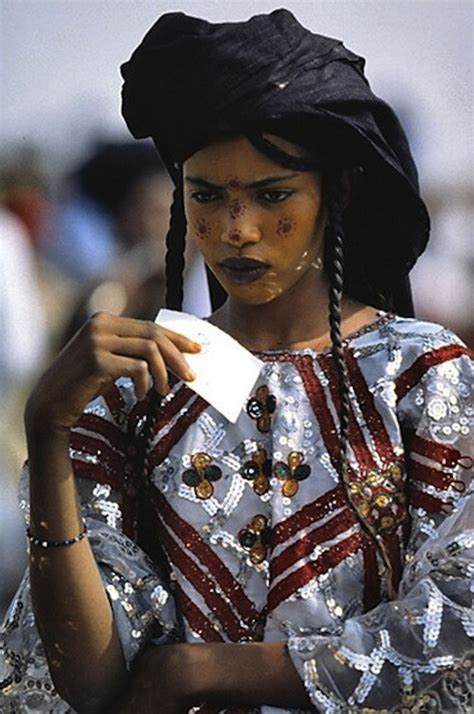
<point>159,357</point>
<point>136,369</point>
<point>129,327</point>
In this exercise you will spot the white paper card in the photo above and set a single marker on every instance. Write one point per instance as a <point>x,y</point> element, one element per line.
<point>225,371</point>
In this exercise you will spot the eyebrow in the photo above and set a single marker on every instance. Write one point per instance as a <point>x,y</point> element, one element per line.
<point>267,181</point>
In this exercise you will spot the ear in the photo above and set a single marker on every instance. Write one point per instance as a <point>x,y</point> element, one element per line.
<point>351,179</point>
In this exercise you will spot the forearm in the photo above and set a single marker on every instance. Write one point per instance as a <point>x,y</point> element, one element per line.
<point>251,674</point>
<point>174,678</point>
<point>72,610</point>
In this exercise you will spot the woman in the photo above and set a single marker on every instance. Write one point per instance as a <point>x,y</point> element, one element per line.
<point>313,555</point>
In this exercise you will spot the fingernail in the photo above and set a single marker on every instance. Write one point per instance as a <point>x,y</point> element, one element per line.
<point>196,347</point>
<point>189,376</point>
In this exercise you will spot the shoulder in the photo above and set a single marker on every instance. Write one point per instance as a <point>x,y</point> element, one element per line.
<point>405,340</point>
<point>402,352</point>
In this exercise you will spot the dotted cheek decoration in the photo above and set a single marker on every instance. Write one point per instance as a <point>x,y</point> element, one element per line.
<point>286,226</point>
<point>258,470</point>
<point>261,407</point>
<point>291,473</point>
<point>256,538</point>
<point>203,229</point>
<point>202,475</point>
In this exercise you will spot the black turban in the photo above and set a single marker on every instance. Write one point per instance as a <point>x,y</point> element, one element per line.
<point>190,81</point>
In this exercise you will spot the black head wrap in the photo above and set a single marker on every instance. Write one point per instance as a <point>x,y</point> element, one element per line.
<point>190,81</point>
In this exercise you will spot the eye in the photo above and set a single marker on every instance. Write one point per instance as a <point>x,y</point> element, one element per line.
<point>275,195</point>
<point>204,195</point>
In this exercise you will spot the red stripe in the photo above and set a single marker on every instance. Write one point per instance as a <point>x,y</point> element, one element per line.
<point>309,514</point>
<point>357,440</point>
<point>371,576</point>
<point>203,585</point>
<point>330,558</point>
<point>206,555</point>
<point>170,409</point>
<point>305,545</point>
<point>198,622</point>
<point>317,399</point>
<point>431,504</point>
<point>436,478</point>
<point>412,375</point>
<point>114,400</point>
<point>163,447</point>
<point>444,454</point>
<point>105,428</point>
<point>90,445</point>
<point>97,472</point>
<point>373,418</point>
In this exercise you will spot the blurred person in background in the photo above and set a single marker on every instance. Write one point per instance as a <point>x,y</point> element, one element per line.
<point>23,348</point>
<point>110,236</point>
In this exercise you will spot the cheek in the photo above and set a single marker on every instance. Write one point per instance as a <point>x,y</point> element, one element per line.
<point>286,226</point>
<point>202,228</point>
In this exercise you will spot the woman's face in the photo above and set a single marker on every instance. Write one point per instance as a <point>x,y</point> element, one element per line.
<point>259,226</point>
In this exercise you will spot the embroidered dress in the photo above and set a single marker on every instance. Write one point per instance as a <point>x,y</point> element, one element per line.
<point>258,540</point>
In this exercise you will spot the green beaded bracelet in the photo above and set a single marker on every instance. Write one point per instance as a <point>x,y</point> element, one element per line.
<point>54,543</point>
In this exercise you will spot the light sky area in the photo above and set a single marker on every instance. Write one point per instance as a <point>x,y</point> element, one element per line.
<point>60,82</point>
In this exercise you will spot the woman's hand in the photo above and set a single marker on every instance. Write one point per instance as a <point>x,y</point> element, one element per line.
<point>161,682</point>
<point>106,348</point>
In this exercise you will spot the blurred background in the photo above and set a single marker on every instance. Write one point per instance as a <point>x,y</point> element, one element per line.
<point>84,212</point>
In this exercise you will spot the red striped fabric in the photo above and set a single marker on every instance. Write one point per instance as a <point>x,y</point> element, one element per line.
<point>197,621</point>
<point>356,437</point>
<point>203,584</point>
<point>303,575</point>
<point>373,418</point>
<point>422,364</point>
<point>207,557</point>
<point>303,547</point>
<point>163,447</point>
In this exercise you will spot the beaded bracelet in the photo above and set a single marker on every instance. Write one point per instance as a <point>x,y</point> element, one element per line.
<point>55,543</point>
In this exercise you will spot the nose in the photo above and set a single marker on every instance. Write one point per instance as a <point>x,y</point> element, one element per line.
<point>238,231</point>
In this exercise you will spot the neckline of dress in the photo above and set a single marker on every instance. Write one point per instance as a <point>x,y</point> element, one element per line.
<point>381,319</point>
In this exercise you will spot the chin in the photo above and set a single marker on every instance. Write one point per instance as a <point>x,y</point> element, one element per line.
<point>254,295</point>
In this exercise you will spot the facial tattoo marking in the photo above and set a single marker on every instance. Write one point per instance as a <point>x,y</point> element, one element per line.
<point>203,228</point>
<point>236,208</point>
<point>235,235</point>
<point>232,183</point>
<point>285,226</point>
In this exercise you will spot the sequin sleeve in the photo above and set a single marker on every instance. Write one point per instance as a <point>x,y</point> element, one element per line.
<point>415,652</point>
<point>102,450</point>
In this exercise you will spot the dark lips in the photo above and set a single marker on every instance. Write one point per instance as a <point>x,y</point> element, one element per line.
<point>243,270</point>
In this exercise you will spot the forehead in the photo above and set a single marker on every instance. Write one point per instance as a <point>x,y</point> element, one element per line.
<point>235,158</point>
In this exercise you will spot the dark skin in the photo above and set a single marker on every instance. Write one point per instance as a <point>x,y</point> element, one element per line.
<point>285,307</point>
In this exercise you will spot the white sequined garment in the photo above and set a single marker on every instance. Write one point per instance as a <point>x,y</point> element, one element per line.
<point>260,541</point>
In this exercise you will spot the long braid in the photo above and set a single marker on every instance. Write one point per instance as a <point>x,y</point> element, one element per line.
<point>175,245</point>
<point>334,261</point>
